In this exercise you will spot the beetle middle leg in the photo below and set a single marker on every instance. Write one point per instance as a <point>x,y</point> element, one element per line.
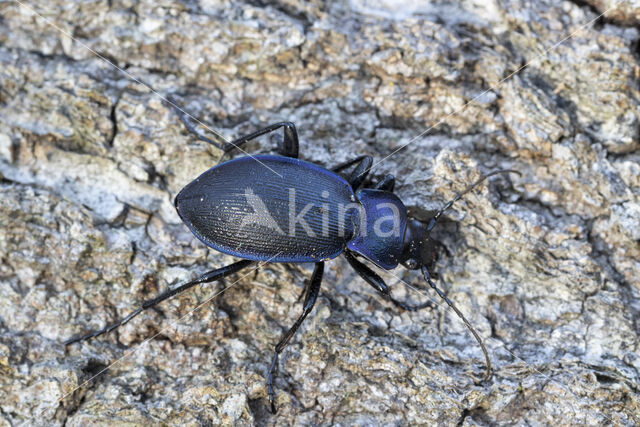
<point>378,283</point>
<point>210,276</point>
<point>360,172</point>
<point>186,120</point>
<point>311,294</point>
<point>387,183</point>
<point>287,147</point>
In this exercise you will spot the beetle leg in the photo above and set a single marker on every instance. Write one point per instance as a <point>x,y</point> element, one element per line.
<point>288,147</point>
<point>343,166</point>
<point>186,121</point>
<point>386,184</point>
<point>378,283</point>
<point>313,289</point>
<point>211,276</point>
<point>305,291</point>
<point>359,174</point>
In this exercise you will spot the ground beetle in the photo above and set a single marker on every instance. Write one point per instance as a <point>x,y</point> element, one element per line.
<point>277,208</point>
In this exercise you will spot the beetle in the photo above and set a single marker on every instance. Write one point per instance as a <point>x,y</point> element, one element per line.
<point>240,207</point>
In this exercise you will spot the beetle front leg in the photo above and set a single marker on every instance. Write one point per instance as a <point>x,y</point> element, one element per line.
<point>378,283</point>
<point>310,299</point>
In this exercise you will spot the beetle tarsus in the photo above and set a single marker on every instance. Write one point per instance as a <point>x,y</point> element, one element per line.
<point>311,294</point>
<point>289,147</point>
<point>186,120</point>
<point>272,395</point>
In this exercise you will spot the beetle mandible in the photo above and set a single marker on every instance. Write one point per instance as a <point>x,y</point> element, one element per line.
<point>239,208</point>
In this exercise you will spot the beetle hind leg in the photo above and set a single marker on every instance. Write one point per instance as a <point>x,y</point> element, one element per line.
<point>210,276</point>
<point>311,294</point>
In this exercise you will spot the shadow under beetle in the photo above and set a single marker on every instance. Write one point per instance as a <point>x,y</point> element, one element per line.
<point>240,208</point>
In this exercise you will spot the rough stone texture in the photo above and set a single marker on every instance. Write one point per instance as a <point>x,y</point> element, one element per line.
<point>625,12</point>
<point>546,265</point>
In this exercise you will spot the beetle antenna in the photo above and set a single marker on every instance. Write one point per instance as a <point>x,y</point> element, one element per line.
<point>434,219</point>
<point>427,276</point>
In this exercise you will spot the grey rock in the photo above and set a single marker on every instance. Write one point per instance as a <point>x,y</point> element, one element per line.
<point>545,265</point>
<point>621,12</point>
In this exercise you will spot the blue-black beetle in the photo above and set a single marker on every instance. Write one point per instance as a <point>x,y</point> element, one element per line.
<point>277,208</point>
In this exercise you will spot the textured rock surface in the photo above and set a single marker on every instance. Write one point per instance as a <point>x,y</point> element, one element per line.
<point>546,265</point>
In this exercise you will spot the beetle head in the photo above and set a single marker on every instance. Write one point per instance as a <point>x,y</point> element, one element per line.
<point>418,248</point>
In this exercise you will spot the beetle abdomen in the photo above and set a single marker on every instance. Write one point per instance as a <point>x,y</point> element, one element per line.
<point>270,208</point>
